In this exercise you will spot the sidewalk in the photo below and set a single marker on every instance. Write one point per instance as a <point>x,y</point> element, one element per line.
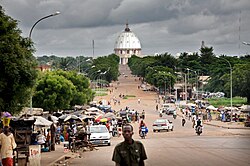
<point>227,125</point>
<point>49,158</point>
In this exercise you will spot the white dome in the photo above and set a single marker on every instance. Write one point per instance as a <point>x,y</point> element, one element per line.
<point>127,40</point>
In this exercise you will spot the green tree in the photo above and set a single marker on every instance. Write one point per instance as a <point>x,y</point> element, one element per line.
<point>241,81</point>
<point>166,60</point>
<point>219,70</point>
<point>61,90</point>
<point>83,93</point>
<point>164,80</point>
<point>53,92</point>
<point>64,64</point>
<point>17,66</point>
<point>152,73</point>
<point>139,65</point>
<point>106,64</point>
<point>207,58</point>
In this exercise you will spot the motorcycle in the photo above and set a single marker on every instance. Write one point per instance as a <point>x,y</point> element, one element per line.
<point>143,132</point>
<point>199,130</point>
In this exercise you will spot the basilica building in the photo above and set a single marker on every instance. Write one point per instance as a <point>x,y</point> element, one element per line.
<point>126,45</point>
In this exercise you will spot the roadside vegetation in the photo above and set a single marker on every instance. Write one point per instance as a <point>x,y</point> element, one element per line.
<point>101,92</point>
<point>164,70</point>
<point>128,96</point>
<point>56,90</point>
<point>17,66</point>
<point>236,101</point>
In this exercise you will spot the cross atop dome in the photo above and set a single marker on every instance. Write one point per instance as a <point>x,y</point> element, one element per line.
<point>127,28</point>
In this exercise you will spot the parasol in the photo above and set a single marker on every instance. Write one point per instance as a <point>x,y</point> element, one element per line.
<point>62,117</point>
<point>211,107</point>
<point>41,121</point>
<point>99,117</point>
<point>109,115</point>
<point>54,118</point>
<point>93,109</point>
<point>103,120</point>
<point>72,117</point>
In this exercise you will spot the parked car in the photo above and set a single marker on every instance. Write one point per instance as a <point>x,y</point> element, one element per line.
<point>162,124</point>
<point>99,135</point>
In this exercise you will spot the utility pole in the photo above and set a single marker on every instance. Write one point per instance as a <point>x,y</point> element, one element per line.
<point>79,64</point>
<point>202,84</point>
<point>165,88</point>
<point>197,85</point>
<point>93,45</point>
<point>185,87</point>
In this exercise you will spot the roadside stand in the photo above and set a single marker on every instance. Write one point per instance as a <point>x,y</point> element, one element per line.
<point>245,113</point>
<point>25,131</point>
<point>25,152</point>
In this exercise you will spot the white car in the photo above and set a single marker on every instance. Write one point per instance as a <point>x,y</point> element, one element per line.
<point>99,135</point>
<point>166,106</point>
<point>162,124</point>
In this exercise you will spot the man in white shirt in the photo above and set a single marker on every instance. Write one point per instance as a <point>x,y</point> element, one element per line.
<point>7,143</point>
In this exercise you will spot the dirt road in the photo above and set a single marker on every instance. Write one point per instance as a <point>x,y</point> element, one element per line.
<point>215,146</point>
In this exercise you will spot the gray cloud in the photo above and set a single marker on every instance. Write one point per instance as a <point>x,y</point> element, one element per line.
<point>162,25</point>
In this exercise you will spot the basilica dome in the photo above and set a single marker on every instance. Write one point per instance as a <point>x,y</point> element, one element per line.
<point>127,44</point>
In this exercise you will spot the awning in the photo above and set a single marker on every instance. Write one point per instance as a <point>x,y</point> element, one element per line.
<point>211,107</point>
<point>72,117</point>
<point>93,109</point>
<point>41,121</point>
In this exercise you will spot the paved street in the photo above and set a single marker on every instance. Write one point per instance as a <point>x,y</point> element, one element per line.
<point>216,146</point>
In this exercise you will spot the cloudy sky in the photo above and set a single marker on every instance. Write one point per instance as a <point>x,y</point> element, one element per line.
<point>171,26</point>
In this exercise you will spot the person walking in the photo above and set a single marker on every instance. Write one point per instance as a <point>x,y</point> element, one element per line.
<point>143,114</point>
<point>129,152</point>
<point>48,139</point>
<point>7,144</point>
<point>183,121</point>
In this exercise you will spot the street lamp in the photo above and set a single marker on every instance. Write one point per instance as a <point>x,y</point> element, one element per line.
<point>94,73</point>
<point>196,80</point>
<point>184,90</point>
<point>89,68</point>
<point>196,84</point>
<point>99,78</point>
<point>79,65</point>
<point>31,30</point>
<point>246,43</point>
<point>231,83</point>
<point>185,77</point>
<point>51,15</point>
<point>96,78</point>
<point>89,60</point>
